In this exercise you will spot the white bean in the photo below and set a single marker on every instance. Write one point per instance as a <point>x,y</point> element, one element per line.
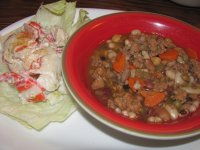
<point>136,32</point>
<point>180,60</point>
<point>178,78</point>
<point>111,54</point>
<point>132,115</point>
<point>170,64</point>
<point>137,85</point>
<point>191,79</point>
<point>145,55</point>
<point>196,103</point>
<point>128,43</point>
<point>154,119</point>
<point>116,38</point>
<point>170,74</point>
<point>192,108</point>
<point>172,111</point>
<point>133,72</point>
<point>108,41</point>
<point>111,45</point>
<point>118,110</point>
<point>125,112</point>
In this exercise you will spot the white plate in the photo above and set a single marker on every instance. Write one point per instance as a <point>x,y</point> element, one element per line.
<point>80,131</point>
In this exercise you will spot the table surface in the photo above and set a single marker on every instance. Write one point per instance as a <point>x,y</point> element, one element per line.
<point>14,10</point>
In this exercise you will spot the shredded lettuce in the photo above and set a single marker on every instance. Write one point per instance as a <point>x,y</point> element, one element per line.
<point>58,106</point>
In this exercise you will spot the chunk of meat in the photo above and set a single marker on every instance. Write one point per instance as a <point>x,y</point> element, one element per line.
<point>180,94</point>
<point>98,83</point>
<point>149,65</point>
<point>196,68</point>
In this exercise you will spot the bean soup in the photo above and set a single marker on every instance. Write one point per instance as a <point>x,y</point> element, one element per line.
<point>146,77</point>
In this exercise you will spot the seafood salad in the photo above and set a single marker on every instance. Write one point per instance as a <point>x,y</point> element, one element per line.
<point>33,57</point>
<point>31,75</point>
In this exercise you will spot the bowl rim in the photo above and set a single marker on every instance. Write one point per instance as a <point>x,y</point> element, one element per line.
<point>100,117</point>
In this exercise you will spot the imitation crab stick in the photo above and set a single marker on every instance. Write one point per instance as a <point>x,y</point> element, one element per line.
<point>23,84</point>
<point>119,63</point>
<point>37,98</point>
<point>152,98</point>
<point>35,25</point>
<point>20,48</point>
<point>170,55</point>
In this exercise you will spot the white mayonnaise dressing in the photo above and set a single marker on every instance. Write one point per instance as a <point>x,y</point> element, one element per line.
<point>50,72</point>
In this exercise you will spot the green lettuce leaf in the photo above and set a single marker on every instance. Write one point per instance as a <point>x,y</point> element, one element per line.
<point>50,15</point>
<point>82,19</point>
<point>2,65</point>
<point>34,115</point>
<point>57,7</point>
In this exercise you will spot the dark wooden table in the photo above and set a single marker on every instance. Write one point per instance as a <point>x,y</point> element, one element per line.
<point>14,10</point>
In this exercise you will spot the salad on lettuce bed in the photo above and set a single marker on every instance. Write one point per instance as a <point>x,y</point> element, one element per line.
<point>31,83</point>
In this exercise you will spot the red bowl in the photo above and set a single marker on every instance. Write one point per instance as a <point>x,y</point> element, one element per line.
<point>83,43</point>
